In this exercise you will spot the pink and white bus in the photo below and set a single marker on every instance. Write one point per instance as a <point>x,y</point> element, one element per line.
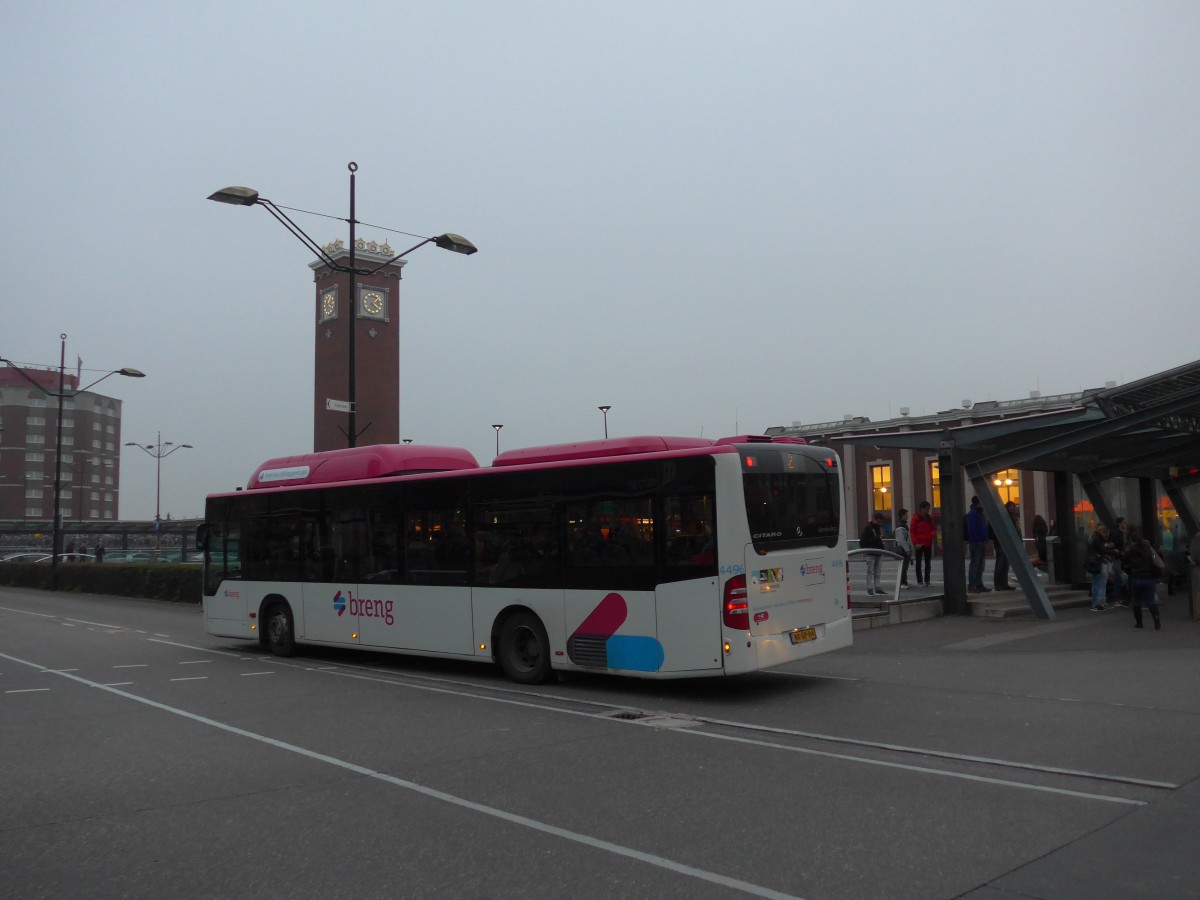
<point>657,557</point>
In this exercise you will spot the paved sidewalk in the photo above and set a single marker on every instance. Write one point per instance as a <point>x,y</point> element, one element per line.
<point>1099,660</point>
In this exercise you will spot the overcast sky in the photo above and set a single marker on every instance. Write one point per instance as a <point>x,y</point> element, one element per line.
<point>711,216</point>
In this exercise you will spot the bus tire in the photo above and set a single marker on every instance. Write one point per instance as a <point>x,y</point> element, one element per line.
<point>523,650</point>
<point>279,629</point>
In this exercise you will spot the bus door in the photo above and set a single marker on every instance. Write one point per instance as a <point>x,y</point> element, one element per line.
<point>333,543</point>
<point>414,595</point>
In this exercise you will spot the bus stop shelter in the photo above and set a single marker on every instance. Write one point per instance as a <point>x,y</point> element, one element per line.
<point>1147,429</point>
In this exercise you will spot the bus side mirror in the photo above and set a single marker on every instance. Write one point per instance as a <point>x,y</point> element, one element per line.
<point>202,532</point>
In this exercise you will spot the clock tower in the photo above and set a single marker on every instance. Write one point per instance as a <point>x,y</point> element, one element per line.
<point>370,305</point>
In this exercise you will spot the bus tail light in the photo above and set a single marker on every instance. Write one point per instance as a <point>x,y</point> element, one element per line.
<point>736,608</point>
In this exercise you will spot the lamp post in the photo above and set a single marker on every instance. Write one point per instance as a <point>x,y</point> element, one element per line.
<point>497,427</point>
<point>159,450</point>
<point>243,196</point>
<point>62,394</point>
<point>605,409</point>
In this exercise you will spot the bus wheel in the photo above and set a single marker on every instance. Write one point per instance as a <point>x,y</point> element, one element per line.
<point>281,636</point>
<point>523,650</point>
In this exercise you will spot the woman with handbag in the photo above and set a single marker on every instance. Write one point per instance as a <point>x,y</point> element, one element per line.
<point>1144,567</point>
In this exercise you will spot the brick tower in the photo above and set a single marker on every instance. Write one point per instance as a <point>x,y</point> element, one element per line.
<point>371,306</point>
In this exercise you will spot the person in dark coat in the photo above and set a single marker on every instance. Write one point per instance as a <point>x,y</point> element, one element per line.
<point>1143,573</point>
<point>872,539</point>
<point>977,539</point>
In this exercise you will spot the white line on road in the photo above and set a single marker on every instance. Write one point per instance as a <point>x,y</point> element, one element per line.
<point>192,678</point>
<point>27,691</point>
<point>244,674</point>
<point>524,821</point>
<point>194,662</point>
<point>117,683</point>
<point>133,666</point>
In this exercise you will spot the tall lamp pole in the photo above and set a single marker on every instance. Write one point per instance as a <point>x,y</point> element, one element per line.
<point>497,427</point>
<point>605,409</point>
<point>61,395</point>
<point>158,450</point>
<point>244,196</point>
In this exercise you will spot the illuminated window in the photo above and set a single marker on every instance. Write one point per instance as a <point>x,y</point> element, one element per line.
<point>935,484</point>
<point>1008,486</point>
<point>881,488</point>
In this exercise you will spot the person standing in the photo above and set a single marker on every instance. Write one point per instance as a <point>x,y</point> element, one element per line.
<point>1000,573</point>
<point>872,539</point>
<point>977,539</point>
<point>904,545</point>
<point>1040,532</point>
<point>1193,556</point>
<point>923,532</point>
<point>1143,572</point>
<point>1097,567</point>
<point>1120,539</point>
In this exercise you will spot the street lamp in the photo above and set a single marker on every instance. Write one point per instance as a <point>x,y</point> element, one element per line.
<point>62,394</point>
<point>244,196</point>
<point>158,450</point>
<point>605,409</point>
<point>497,427</point>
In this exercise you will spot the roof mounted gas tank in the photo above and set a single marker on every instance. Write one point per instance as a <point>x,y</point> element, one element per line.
<point>360,463</point>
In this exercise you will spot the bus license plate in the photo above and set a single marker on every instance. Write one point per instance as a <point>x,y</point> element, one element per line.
<point>800,635</point>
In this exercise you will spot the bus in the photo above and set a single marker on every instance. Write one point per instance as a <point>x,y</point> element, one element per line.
<point>654,557</point>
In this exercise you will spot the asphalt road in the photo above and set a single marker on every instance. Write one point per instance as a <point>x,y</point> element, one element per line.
<point>140,757</point>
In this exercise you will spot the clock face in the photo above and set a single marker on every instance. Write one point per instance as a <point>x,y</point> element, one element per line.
<point>328,305</point>
<point>372,303</point>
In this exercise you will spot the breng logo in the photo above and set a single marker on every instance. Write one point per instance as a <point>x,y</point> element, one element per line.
<point>360,606</point>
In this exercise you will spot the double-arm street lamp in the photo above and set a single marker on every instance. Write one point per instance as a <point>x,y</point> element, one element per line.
<point>63,394</point>
<point>159,450</point>
<point>243,196</point>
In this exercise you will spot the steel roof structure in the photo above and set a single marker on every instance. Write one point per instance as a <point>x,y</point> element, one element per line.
<point>1147,429</point>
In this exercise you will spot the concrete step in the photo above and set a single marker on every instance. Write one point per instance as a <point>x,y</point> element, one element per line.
<point>1006,604</point>
<point>897,613</point>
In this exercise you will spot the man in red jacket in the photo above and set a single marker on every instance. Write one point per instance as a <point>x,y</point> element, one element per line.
<point>923,531</point>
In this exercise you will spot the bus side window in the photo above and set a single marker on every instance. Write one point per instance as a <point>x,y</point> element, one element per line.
<point>435,547</point>
<point>517,544</point>
<point>691,550</point>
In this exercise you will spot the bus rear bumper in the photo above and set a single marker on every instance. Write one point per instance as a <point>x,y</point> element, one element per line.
<point>770,650</point>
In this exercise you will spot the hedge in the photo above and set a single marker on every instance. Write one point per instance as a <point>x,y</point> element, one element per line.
<point>156,581</point>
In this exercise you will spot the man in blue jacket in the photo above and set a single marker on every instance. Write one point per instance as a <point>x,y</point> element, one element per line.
<point>977,538</point>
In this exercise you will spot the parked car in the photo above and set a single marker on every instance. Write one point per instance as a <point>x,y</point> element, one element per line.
<point>27,557</point>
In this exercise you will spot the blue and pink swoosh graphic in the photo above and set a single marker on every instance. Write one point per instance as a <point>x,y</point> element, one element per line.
<point>636,653</point>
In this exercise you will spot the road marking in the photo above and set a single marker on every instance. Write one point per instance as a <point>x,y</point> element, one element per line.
<point>117,683</point>
<point>194,662</point>
<point>192,678</point>
<point>27,691</point>
<point>533,824</point>
<point>133,666</point>
<point>244,674</point>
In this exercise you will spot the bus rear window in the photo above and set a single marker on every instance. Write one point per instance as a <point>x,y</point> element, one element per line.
<point>792,500</point>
